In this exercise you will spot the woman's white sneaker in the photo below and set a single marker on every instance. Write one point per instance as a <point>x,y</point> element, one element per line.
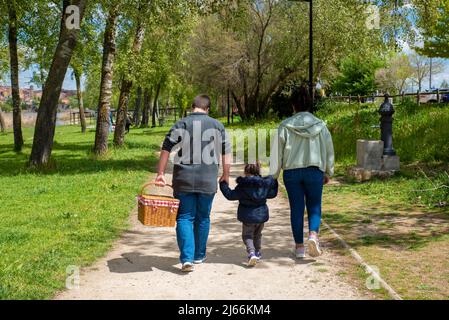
<point>314,247</point>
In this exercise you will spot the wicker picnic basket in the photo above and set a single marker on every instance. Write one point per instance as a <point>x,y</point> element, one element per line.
<point>157,211</point>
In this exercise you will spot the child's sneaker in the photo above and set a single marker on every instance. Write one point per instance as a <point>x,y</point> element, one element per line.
<point>300,253</point>
<point>187,267</point>
<point>314,246</point>
<point>259,255</point>
<point>252,259</point>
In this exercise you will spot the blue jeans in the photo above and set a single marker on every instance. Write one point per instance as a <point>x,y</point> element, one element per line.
<point>193,224</point>
<point>305,189</point>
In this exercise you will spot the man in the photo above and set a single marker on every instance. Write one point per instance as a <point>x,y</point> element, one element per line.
<point>203,141</point>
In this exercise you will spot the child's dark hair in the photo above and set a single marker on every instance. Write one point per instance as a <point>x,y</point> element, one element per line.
<point>253,169</point>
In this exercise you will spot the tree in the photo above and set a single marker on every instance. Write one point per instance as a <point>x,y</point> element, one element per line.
<point>138,106</point>
<point>14,58</point>
<point>39,36</point>
<point>433,21</point>
<point>46,117</point>
<point>127,82</point>
<point>393,78</point>
<point>422,68</point>
<point>444,85</point>
<point>263,44</point>
<point>357,75</point>
<point>104,105</point>
<point>85,56</point>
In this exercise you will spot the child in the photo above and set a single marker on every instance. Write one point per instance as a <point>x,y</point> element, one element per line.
<point>252,191</point>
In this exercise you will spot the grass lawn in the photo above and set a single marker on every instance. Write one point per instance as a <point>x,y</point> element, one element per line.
<point>69,215</point>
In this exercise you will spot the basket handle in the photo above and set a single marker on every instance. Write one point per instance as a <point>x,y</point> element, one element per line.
<point>151,184</point>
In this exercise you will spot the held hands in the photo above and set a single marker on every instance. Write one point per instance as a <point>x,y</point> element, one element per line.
<point>160,180</point>
<point>224,178</point>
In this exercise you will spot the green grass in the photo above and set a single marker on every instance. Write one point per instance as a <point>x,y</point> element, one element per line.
<point>70,214</point>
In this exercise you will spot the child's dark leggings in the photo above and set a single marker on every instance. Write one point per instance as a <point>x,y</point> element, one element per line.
<point>252,236</point>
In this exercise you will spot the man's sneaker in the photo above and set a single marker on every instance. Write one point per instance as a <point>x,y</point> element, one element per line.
<point>314,247</point>
<point>259,255</point>
<point>187,267</point>
<point>252,260</point>
<point>200,261</point>
<point>300,253</point>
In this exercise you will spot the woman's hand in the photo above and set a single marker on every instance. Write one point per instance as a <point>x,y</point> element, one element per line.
<point>326,179</point>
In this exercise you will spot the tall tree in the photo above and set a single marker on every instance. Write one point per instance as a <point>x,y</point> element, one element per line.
<point>146,107</point>
<point>79,93</point>
<point>46,117</point>
<point>17,117</point>
<point>104,105</point>
<point>138,106</point>
<point>433,21</point>
<point>422,67</point>
<point>155,112</point>
<point>263,45</point>
<point>127,82</point>
<point>393,78</point>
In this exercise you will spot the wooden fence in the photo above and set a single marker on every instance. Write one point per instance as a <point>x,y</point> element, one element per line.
<point>420,97</point>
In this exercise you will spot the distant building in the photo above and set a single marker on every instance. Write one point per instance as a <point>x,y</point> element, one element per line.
<point>28,95</point>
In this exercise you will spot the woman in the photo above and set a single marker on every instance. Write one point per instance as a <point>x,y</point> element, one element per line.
<point>306,154</point>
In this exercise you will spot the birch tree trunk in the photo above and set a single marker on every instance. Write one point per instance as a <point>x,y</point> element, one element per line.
<point>79,93</point>
<point>17,114</point>
<point>104,104</point>
<point>46,117</point>
<point>122,110</point>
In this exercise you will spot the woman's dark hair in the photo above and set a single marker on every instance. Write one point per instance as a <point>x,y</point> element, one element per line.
<point>300,99</point>
<point>253,169</point>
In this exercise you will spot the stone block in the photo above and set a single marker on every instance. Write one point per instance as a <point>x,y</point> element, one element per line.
<point>391,163</point>
<point>369,154</point>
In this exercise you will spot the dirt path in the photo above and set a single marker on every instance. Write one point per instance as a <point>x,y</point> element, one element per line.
<point>144,265</point>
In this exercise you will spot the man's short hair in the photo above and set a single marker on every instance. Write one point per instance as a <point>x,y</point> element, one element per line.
<point>202,101</point>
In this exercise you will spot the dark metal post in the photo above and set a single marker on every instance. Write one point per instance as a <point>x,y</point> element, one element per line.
<point>386,125</point>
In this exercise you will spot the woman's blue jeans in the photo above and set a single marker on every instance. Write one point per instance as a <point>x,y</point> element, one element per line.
<point>305,189</point>
<point>193,224</point>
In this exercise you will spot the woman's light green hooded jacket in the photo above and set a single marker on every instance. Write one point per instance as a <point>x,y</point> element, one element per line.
<point>303,141</point>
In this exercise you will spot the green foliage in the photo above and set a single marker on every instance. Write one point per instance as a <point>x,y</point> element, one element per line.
<point>434,22</point>
<point>357,75</point>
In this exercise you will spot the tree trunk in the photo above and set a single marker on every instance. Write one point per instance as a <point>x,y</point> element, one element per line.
<point>17,114</point>
<point>2,122</point>
<point>122,113</point>
<point>137,108</point>
<point>147,95</point>
<point>46,116</point>
<point>104,104</point>
<point>155,113</point>
<point>80,101</point>
<point>119,134</point>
